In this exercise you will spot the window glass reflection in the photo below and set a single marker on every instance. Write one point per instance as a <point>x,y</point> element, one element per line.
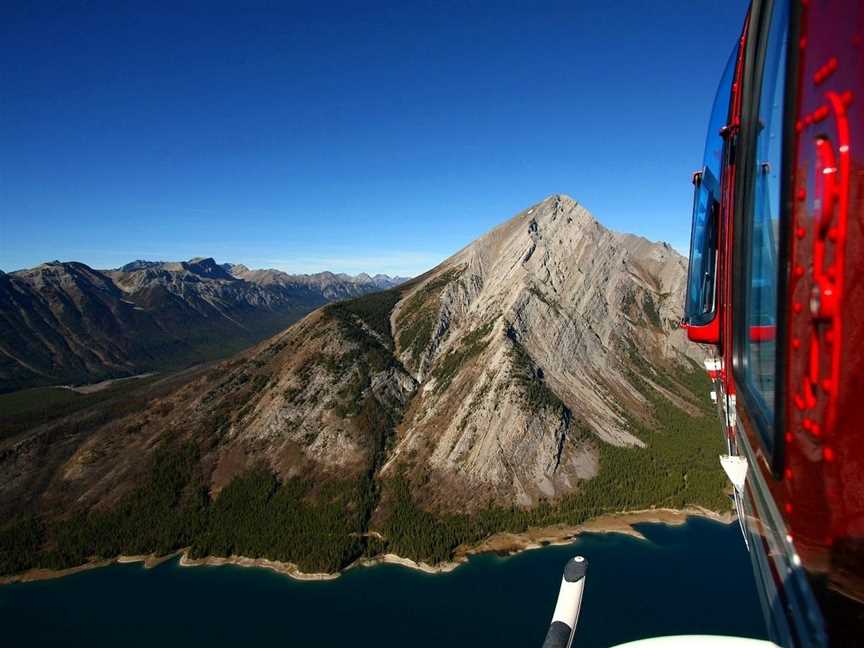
<point>764,244</point>
<point>699,303</point>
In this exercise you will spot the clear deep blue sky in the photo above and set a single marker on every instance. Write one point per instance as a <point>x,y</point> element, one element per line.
<point>334,136</point>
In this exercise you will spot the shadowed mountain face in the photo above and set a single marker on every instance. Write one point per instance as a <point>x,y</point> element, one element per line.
<point>68,323</point>
<point>537,376</point>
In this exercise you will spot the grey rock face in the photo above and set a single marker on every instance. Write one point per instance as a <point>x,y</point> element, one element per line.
<point>569,305</point>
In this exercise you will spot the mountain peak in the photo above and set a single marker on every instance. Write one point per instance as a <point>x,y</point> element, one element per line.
<point>563,199</point>
<point>235,269</point>
<point>207,266</point>
<point>138,264</point>
<point>64,266</point>
<point>204,263</point>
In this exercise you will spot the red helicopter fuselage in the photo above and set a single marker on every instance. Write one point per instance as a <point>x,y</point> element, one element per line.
<point>776,287</point>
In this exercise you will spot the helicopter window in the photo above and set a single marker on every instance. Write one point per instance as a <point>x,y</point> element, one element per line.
<point>699,306</point>
<point>761,307</point>
<point>713,157</point>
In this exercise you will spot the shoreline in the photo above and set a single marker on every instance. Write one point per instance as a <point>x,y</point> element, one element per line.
<point>560,534</point>
<point>502,543</point>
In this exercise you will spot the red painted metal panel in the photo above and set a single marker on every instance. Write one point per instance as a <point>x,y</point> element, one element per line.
<point>820,491</point>
<point>825,455</point>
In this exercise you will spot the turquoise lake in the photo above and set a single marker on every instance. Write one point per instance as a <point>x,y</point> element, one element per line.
<point>695,578</point>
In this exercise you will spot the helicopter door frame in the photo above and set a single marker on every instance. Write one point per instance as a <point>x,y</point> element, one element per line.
<point>764,428</point>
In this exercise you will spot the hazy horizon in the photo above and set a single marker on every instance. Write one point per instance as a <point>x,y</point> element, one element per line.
<point>288,265</point>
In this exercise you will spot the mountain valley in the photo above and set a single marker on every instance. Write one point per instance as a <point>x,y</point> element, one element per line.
<point>66,323</point>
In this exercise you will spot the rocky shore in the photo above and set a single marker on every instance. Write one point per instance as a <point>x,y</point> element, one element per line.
<point>500,543</point>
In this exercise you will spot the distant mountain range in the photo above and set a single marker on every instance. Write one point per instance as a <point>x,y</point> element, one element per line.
<point>68,323</point>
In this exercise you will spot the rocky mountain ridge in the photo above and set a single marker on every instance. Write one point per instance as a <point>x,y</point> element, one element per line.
<point>333,286</point>
<point>69,323</point>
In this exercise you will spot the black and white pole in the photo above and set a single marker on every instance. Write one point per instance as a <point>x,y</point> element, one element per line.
<point>566,614</point>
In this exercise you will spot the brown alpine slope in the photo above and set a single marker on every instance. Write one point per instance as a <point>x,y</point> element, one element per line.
<point>537,376</point>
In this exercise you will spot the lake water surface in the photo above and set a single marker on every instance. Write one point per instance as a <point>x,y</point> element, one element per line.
<point>695,578</point>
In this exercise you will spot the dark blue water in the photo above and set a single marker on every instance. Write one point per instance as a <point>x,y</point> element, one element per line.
<point>690,579</point>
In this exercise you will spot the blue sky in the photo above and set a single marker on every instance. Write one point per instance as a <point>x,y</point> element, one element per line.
<point>344,136</point>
